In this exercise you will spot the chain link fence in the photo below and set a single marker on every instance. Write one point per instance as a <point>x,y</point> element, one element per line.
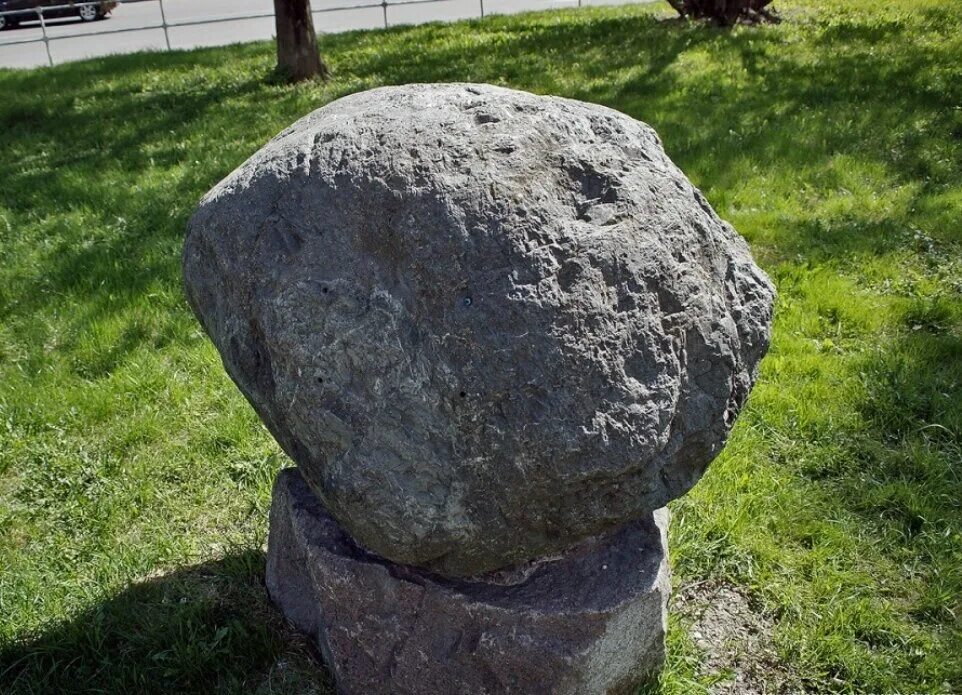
<point>43,13</point>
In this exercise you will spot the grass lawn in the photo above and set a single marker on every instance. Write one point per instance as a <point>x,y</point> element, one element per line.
<point>135,480</point>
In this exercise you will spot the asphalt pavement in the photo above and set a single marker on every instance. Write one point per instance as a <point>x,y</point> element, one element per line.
<point>73,39</point>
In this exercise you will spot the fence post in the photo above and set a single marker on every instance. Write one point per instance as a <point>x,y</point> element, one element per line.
<point>482,8</point>
<point>163,21</point>
<point>384,10</point>
<point>46,39</point>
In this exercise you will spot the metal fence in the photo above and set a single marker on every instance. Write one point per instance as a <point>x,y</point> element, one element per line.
<point>167,25</point>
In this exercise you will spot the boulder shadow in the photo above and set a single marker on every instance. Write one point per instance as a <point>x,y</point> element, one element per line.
<point>201,629</point>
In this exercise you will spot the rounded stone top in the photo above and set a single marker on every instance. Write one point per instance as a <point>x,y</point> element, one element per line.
<point>486,324</point>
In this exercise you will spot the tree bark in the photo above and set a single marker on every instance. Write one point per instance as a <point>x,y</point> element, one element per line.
<point>297,55</point>
<point>725,12</point>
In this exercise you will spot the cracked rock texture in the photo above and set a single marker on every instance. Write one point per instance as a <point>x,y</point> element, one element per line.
<point>591,622</point>
<point>487,325</point>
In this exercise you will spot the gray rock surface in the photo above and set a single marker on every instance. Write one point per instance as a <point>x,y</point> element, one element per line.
<point>486,324</point>
<point>591,622</point>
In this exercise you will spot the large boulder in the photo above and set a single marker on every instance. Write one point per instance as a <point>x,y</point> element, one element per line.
<point>486,324</point>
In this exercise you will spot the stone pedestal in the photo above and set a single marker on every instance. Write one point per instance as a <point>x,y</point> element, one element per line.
<point>590,621</point>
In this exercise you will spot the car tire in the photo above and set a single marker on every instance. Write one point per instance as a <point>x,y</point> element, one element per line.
<point>90,13</point>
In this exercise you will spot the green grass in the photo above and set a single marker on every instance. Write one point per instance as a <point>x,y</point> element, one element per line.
<point>134,479</point>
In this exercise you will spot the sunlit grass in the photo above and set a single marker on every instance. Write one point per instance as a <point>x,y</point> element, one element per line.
<point>134,479</point>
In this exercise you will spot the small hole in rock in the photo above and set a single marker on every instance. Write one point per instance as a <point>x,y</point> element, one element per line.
<point>320,380</point>
<point>467,301</point>
<point>463,394</point>
<point>324,290</point>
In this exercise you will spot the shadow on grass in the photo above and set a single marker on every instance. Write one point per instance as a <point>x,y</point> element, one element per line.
<point>905,472</point>
<point>207,628</point>
<point>899,476</point>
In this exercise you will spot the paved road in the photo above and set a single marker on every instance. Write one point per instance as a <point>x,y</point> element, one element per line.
<point>144,14</point>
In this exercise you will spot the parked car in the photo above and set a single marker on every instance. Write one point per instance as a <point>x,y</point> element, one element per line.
<point>26,10</point>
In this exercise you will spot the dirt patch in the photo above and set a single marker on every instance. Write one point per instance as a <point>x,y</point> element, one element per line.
<point>736,641</point>
<point>295,677</point>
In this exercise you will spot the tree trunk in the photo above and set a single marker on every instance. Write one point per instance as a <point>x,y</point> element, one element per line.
<point>725,12</point>
<point>297,54</point>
